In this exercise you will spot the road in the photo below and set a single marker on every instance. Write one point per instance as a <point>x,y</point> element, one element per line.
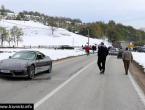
<point>75,84</point>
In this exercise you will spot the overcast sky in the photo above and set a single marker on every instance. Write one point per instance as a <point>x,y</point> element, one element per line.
<point>127,12</point>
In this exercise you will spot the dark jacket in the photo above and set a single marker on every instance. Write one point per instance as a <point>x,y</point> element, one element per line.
<point>93,47</point>
<point>103,51</point>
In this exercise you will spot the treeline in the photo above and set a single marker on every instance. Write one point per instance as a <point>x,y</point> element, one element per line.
<point>62,22</point>
<point>3,10</point>
<point>113,31</point>
<point>99,29</point>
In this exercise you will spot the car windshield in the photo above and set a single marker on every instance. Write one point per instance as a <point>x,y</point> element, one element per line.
<point>112,49</point>
<point>24,55</point>
<point>65,46</point>
<point>121,50</point>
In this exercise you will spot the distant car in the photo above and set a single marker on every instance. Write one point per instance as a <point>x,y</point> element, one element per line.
<point>138,48</point>
<point>113,51</point>
<point>63,47</point>
<point>25,64</point>
<point>109,47</point>
<point>120,53</point>
<point>141,49</point>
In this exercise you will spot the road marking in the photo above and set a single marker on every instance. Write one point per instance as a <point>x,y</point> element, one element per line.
<point>137,89</point>
<point>59,87</point>
<point>67,60</point>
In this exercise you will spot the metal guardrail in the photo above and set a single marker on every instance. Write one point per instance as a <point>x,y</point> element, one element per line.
<point>45,46</point>
<point>36,47</point>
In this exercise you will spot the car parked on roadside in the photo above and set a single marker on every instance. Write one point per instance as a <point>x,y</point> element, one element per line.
<point>25,64</point>
<point>141,49</point>
<point>113,51</point>
<point>110,47</point>
<point>121,51</point>
<point>63,47</point>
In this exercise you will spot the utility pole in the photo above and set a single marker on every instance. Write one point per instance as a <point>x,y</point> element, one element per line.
<point>88,37</point>
<point>73,42</point>
<point>1,33</point>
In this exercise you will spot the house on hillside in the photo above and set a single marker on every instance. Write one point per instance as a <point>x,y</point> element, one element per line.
<point>68,22</point>
<point>11,16</point>
<point>37,16</point>
<point>28,17</point>
<point>84,24</point>
<point>78,24</point>
<point>143,29</point>
<point>119,44</point>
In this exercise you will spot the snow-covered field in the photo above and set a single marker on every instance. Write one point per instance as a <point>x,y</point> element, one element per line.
<point>38,34</point>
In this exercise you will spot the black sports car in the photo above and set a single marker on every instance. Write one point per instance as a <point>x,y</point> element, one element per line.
<point>25,64</point>
<point>63,47</point>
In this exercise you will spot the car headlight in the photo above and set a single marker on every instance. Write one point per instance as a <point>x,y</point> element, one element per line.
<point>23,65</point>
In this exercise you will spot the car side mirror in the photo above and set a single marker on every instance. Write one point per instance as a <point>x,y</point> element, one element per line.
<point>37,59</point>
<point>9,56</point>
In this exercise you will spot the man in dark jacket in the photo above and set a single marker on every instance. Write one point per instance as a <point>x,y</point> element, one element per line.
<point>102,54</point>
<point>93,48</point>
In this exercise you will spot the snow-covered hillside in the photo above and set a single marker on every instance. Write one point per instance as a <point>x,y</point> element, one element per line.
<point>38,34</point>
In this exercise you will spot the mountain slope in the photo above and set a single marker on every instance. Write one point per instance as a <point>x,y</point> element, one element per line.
<point>38,34</point>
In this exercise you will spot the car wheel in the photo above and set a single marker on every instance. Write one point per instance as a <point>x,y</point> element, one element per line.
<point>49,70</point>
<point>31,72</point>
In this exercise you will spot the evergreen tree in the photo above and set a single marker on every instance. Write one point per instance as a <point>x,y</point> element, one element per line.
<point>111,23</point>
<point>21,14</point>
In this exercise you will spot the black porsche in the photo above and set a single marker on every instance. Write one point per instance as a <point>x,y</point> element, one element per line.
<point>25,64</point>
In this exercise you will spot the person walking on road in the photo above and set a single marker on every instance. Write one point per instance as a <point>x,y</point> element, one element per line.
<point>87,50</point>
<point>93,48</point>
<point>102,54</point>
<point>127,57</point>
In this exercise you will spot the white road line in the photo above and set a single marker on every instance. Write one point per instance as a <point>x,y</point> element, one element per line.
<point>137,89</point>
<point>59,87</point>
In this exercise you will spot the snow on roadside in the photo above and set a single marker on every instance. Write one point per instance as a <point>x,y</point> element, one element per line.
<point>59,54</point>
<point>54,54</point>
<point>139,58</point>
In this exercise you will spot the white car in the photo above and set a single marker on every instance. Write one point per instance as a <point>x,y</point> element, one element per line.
<point>113,51</point>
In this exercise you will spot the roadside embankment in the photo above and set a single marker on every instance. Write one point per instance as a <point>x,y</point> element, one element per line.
<point>137,71</point>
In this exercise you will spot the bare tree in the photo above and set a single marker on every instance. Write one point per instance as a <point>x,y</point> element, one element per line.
<point>3,10</point>
<point>53,26</point>
<point>16,34</point>
<point>3,35</point>
<point>9,38</point>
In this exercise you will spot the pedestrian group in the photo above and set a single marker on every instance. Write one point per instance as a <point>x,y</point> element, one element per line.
<point>102,54</point>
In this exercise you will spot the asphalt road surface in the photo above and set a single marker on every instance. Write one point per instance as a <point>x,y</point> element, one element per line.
<point>75,84</point>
